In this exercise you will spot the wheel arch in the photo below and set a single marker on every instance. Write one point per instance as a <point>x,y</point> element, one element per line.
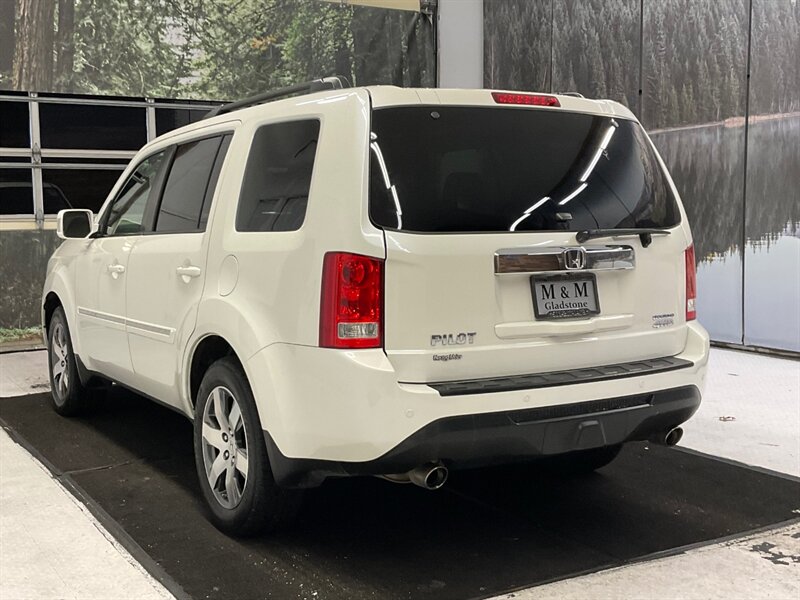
<point>207,350</point>
<point>58,292</point>
<point>223,328</point>
<point>49,305</point>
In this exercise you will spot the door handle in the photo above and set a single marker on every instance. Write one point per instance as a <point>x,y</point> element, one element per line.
<point>116,270</point>
<point>188,272</point>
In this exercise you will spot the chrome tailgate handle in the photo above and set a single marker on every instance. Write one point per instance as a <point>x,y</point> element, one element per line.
<point>564,258</point>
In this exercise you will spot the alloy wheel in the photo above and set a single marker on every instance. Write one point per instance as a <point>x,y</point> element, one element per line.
<point>59,364</point>
<point>224,439</point>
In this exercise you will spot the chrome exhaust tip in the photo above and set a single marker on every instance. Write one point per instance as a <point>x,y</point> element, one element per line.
<point>669,437</point>
<point>431,476</point>
<point>673,437</point>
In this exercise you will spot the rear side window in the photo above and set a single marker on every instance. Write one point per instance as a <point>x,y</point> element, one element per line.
<point>187,185</point>
<point>277,178</point>
<point>455,169</point>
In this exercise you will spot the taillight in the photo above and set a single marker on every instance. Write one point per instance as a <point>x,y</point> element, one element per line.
<point>691,283</point>
<point>526,99</point>
<point>351,307</point>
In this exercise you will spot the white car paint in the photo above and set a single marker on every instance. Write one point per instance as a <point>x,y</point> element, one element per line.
<point>137,317</point>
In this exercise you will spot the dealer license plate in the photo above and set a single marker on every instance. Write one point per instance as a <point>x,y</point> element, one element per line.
<point>565,296</point>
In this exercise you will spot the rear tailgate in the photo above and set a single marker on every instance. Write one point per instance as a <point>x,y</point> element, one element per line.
<point>449,316</point>
<point>481,204</point>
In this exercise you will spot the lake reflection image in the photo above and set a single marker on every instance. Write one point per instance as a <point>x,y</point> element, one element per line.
<point>707,164</point>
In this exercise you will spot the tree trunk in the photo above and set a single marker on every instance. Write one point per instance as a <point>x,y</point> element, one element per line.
<point>65,45</point>
<point>33,55</point>
<point>6,37</point>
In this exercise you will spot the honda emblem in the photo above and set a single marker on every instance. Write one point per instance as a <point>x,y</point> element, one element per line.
<point>574,259</point>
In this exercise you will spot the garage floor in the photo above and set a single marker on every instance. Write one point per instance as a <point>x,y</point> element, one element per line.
<point>488,532</point>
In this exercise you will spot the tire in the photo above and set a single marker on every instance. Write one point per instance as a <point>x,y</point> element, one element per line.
<point>233,467</point>
<point>582,462</point>
<point>69,396</point>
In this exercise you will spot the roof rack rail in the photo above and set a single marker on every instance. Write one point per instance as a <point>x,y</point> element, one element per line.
<point>573,94</point>
<point>335,82</point>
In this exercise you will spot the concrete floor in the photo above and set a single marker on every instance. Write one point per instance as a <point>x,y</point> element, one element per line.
<point>23,373</point>
<point>766,565</point>
<point>750,413</point>
<point>50,544</point>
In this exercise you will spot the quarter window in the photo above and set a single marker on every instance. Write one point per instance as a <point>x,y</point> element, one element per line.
<point>126,214</point>
<point>277,178</point>
<point>186,187</point>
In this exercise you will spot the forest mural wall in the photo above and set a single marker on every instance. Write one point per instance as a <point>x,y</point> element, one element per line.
<point>163,49</point>
<point>209,49</point>
<point>682,66</point>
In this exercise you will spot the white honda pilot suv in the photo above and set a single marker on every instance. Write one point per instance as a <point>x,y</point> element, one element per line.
<point>389,282</point>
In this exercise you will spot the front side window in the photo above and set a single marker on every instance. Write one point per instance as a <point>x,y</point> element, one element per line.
<point>126,214</point>
<point>470,169</point>
<point>277,179</point>
<point>186,186</point>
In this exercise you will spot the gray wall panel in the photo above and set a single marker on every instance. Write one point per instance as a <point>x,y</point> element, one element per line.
<point>23,260</point>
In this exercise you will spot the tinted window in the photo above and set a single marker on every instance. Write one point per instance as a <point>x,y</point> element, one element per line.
<point>77,188</point>
<point>54,199</point>
<point>126,214</point>
<point>278,177</point>
<point>168,119</point>
<point>186,186</point>
<point>16,192</point>
<point>92,127</point>
<point>212,183</point>
<point>14,125</point>
<point>492,170</point>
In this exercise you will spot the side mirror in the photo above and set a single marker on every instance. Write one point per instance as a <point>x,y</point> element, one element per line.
<point>74,223</point>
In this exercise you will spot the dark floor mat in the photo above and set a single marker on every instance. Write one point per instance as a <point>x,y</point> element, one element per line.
<point>486,532</point>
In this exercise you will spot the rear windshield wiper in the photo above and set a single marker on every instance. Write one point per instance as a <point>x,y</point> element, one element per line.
<point>646,235</point>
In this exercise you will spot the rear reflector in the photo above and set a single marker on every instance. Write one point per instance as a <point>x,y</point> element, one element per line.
<point>691,283</point>
<point>351,305</point>
<point>526,99</point>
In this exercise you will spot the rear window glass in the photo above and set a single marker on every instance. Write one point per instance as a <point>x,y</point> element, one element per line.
<point>454,169</point>
<point>277,179</point>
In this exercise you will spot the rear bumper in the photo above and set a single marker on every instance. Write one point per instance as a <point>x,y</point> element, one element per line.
<point>320,404</point>
<point>510,436</point>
